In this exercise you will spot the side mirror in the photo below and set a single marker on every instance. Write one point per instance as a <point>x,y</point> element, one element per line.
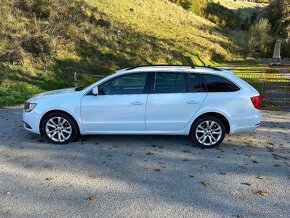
<point>95,91</point>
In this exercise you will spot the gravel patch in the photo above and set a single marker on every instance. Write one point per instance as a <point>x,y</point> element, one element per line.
<point>145,176</point>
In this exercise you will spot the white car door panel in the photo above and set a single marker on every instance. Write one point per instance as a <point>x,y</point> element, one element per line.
<point>172,111</point>
<point>118,107</point>
<point>176,98</point>
<point>114,113</point>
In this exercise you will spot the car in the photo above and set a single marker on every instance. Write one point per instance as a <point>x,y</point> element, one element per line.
<point>204,103</point>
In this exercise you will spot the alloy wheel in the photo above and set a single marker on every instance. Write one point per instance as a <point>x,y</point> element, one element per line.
<point>208,133</point>
<point>58,129</point>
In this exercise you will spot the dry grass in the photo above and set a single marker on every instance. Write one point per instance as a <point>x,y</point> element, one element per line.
<point>246,7</point>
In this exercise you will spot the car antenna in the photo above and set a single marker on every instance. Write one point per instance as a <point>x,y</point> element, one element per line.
<point>201,61</point>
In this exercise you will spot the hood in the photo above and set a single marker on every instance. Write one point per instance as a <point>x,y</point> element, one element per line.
<point>54,92</point>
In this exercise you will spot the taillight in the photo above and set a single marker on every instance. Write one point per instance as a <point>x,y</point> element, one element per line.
<point>256,100</point>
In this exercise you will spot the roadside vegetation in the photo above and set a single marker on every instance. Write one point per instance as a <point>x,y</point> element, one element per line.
<point>44,43</point>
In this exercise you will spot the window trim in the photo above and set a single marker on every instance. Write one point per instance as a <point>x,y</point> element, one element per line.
<point>202,75</point>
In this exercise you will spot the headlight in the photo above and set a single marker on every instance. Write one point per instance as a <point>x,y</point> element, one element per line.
<point>28,107</point>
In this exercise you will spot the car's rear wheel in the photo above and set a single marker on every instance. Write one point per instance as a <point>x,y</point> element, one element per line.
<point>59,128</point>
<point>208,132</point>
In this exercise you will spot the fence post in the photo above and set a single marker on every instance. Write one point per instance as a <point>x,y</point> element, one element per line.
<point>75,79</point>
<point>263,82</point>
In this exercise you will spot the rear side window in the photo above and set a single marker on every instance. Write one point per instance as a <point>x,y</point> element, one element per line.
<point>170,83</point>
<point>219,84</point>
<point>195,83</point>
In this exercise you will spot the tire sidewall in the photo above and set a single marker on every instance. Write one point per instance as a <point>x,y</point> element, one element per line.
<point>202,119</point>
<point>73,124</point>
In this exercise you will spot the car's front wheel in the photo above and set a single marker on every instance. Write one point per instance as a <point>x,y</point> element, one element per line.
<point>208,132</point>
<point>59,128</point>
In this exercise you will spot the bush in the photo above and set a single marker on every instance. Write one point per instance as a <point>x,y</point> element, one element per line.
<point>196,6</point>
<point>246,24</point>
<point>259,38</point>
<point>40,8</point>
<point>14,54</point>
<point>222,16</point>
<point>285,49</point>
<point>279,16</point>
<point>38,45</point>
<point>99,22</point>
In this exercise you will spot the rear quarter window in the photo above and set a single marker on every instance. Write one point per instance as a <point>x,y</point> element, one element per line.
<point>216,83</point>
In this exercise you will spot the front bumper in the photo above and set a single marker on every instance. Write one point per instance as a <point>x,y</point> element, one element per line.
<point>32,120</point>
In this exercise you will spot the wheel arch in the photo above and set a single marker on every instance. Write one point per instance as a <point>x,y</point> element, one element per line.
<point>217,115</point>
<point>59,111</point>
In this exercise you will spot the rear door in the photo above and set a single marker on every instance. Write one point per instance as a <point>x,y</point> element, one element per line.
<point>174,100</point>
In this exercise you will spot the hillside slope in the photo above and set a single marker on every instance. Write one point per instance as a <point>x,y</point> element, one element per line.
<point>246,8</point>
<point>43,43</point>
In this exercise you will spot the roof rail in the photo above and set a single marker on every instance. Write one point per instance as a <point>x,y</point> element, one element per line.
<point>208,66</point>
<point>160,65</point>
<point>171,65</point>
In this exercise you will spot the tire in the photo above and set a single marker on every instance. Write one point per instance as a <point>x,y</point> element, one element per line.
<point>208,132</point>
<point>59,128</point>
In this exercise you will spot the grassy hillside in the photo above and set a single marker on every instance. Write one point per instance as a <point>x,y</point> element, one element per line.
<point>246,8</point>
<point>42,43</point>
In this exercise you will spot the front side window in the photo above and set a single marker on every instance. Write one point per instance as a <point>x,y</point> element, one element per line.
<point>219,84</point>
<point>170,83</point>
<point>124,85</point>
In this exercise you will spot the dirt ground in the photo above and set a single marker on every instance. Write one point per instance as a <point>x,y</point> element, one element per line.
<point>145,176</point>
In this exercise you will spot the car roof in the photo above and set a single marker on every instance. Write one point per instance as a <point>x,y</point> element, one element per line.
<point>170,68</point>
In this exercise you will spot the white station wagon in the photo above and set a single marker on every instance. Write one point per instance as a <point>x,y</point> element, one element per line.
<point>202,102</point>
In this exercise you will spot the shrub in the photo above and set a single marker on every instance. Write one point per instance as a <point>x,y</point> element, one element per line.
<point>246,24</point>
<point>40,8</point>
<point>99,22</point>
<point>259,37</point>
<point>38,45</point>
<point>196,6</point>
<point>14,54</point>
<point>222,16</point>
<point>285,49</point>
<point>278,13</point>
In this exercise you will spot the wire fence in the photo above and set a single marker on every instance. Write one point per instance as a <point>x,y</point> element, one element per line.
<point>274,89</point>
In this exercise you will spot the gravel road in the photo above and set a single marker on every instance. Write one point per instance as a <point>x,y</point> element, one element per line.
<point>145,176</point>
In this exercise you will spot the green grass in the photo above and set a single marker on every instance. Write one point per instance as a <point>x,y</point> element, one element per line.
<point>41,47</point>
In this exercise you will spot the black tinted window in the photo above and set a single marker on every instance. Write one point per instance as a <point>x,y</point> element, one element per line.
<point>195,83</point>
<point>219,84</point>
<point>170,83</point>
<point>123,85</point>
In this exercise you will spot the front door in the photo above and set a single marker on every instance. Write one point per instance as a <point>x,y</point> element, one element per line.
<point>118,108</point>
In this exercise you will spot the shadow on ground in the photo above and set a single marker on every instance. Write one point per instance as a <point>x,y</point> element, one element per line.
<point>144,175</point>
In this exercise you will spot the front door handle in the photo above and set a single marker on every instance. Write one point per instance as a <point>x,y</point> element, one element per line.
<point>137,103</point>
<point>192,102</point>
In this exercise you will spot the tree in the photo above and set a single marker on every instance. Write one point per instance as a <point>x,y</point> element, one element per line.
<point>259,37</point>
<point>278,13</point>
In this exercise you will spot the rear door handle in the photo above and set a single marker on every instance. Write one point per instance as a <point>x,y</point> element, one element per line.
<point>192,102</point>
<point>137,103</point>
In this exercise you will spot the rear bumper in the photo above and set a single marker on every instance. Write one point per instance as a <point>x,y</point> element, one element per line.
<point>246,124</point>
<point>31,120</point>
